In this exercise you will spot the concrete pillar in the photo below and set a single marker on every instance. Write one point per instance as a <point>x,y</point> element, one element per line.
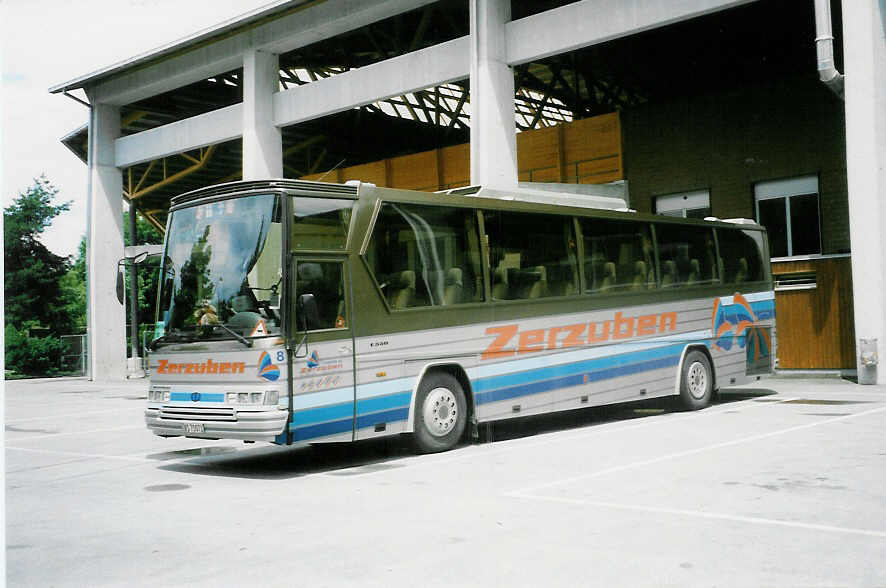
<point>262,141</point>
<point>493,129</point>
<point>864,27</point>
<point>106,320</point>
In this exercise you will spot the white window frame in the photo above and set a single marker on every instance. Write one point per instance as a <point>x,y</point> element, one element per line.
<point>680,202</point>
<point>786,188</point>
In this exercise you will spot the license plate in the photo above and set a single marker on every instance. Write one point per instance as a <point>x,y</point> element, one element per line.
<point>194,428</point>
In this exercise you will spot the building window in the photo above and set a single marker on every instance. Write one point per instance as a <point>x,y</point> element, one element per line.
<point>789,211</point>
<point>695,204</point>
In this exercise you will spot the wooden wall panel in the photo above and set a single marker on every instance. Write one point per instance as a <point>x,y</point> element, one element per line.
<point>455,166</point>
<point>586,151</point>
<point>415,172</point>
<point>538,148</point>
<point>815,327</point>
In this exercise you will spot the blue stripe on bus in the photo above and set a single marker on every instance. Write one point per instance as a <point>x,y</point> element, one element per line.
<point>346,410</point>
<point>483,385</point>
<point>345,425</point>
<point>576,379</point>
<point>203,397</point>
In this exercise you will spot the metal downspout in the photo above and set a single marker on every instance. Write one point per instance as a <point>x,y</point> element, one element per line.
<point>824,48</point>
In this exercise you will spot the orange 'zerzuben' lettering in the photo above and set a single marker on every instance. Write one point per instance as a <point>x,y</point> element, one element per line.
<point>497,347</point>
<point>646,325</point>
<point>207,367</point>
<point>667,317</point>
<point>618,327</point>
<point>531,341</point>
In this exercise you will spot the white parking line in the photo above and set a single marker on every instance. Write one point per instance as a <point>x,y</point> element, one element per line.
<point>69,415</point>
<point>637,464</point>
<point>54,435</point>
<point>701,514</point>
<point>80,454</point>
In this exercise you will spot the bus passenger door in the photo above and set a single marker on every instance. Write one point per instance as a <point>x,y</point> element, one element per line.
<point>323,367</point>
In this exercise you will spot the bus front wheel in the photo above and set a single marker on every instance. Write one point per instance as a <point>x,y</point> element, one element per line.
<point>696,381</point>
<point>440,413</point>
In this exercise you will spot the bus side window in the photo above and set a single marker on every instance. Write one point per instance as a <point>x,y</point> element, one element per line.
<point>618,255</point>
<point>687,255</point>
<point>426,255</point>
<point>530,255</point>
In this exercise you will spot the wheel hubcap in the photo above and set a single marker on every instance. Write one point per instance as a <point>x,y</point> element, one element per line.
<point>697,380</point>
<point>440,411</point>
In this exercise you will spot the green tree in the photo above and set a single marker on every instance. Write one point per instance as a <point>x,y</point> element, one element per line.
<point>33,283</point>
<point>73,289</point>
<point>32,272</point>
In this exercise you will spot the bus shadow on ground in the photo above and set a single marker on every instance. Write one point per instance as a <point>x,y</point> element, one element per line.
<point>344,459</point>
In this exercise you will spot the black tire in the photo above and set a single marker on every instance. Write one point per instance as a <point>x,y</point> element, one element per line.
<point>440,413</point>
<point>696,381</point>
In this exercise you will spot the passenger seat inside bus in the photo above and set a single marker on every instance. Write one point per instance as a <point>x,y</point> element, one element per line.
<point>694,272</point>
<point>669,274</point>
<point>500,284</point>
<point>640,276</point>
<point>608,280</point>
<point>402,290</point>
<point>452,291</point>
<point>533,282</point>
<point>742,274</point>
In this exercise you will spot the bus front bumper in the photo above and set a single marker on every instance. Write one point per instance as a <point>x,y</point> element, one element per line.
<point>227,423</point>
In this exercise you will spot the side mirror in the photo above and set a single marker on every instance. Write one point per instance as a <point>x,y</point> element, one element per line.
<point>121,289</point>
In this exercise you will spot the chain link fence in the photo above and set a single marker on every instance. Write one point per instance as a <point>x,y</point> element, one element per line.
<point>74,359</point>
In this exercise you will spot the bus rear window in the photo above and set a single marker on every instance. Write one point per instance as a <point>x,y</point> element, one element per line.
<point>740,258</point>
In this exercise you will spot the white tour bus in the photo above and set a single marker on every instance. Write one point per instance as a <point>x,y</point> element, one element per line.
<point>300,312</point>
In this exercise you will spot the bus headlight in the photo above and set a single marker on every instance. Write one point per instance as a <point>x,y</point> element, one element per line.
<point>268,397</point>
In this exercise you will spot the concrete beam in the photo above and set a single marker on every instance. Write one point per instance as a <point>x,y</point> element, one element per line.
<point>210,128</point>
<point>300,27</point>
<point>589,22</point>
<point>435,65</point>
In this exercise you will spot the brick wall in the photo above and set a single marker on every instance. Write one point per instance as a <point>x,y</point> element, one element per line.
<point>726,142</point>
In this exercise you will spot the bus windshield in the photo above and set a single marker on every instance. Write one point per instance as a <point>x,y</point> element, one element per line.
<point>222,272</point>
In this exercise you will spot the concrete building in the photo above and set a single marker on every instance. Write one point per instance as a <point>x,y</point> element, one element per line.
<point>722,107</point>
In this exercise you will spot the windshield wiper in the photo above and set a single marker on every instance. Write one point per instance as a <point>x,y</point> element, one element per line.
<point>167,338</point>
<point>238,336</point>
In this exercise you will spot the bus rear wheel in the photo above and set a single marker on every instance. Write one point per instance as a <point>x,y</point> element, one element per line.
<point>440,413</point>
<point>696,381</point>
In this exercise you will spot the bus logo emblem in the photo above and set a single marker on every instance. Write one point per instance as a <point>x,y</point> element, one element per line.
<point>314,360</point>
<point>266,368</point>
<point>195,397</point>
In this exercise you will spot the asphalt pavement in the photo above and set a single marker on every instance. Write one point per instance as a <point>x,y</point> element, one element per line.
<point>782,483</point>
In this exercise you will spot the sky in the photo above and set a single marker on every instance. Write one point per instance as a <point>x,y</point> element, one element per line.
<point>44,43</point>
